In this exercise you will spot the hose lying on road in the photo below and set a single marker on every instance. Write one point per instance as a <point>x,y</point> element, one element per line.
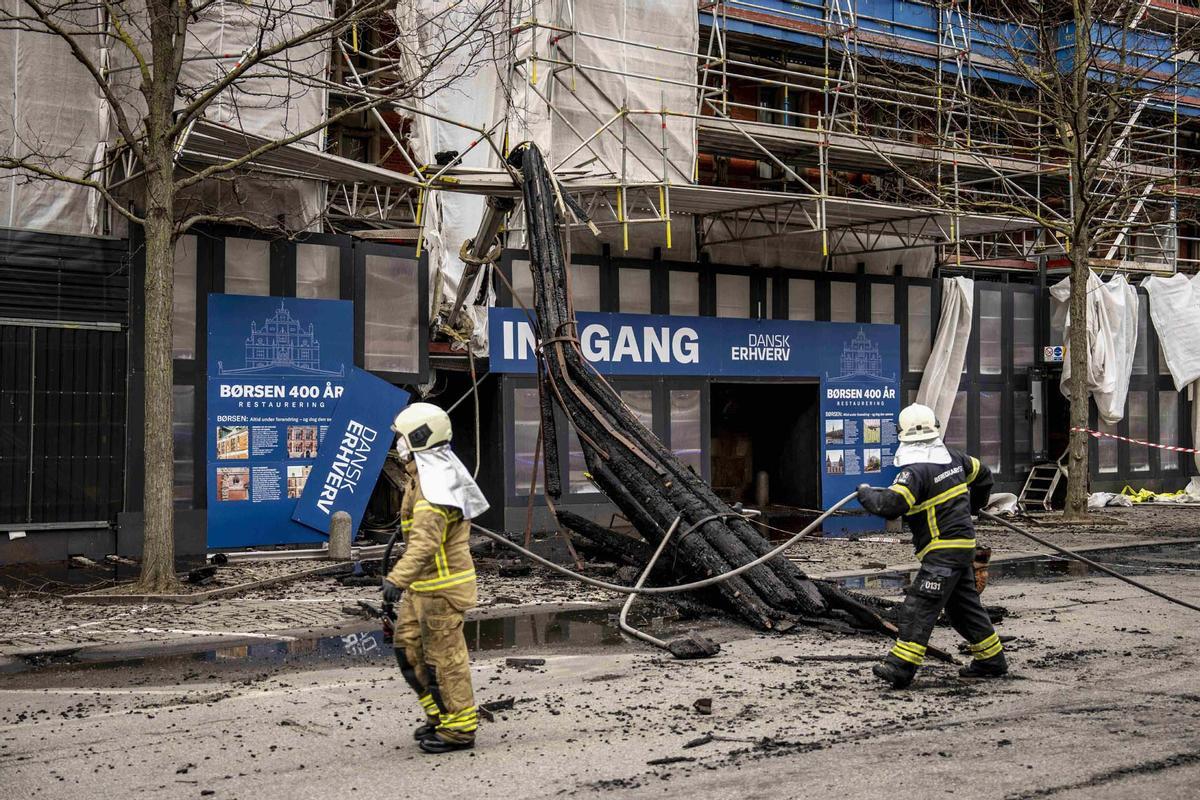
<point>884,626</point>
<point>623,619</point>
<point>683,587</point>
<point>1138,584</point>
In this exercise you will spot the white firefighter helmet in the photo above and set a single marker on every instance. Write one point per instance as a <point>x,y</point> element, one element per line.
<point>421,426</point>
<point>918,424</point>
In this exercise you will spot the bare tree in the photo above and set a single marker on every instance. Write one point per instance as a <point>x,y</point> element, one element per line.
<point>158,74</point>
<point>1065,114</point>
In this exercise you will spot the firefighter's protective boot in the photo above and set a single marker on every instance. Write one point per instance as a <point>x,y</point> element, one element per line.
<point>425,730</point>
<point>437,745</point>
<point>994,667</point>
<point>899,674</point>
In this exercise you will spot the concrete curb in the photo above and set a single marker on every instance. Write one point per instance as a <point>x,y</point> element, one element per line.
<point>106,597</point>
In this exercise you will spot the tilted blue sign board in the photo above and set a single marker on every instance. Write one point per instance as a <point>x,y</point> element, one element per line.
<point>858,366</point>
<point>276,369</point>
<point>349,461</point>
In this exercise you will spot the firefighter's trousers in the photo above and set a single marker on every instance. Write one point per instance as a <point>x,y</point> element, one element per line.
<point>433,657</point>
<point>946,580</point>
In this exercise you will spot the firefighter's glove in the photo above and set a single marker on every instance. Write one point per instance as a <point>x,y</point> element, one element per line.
<point>881,502</point>
<point>391,592</point>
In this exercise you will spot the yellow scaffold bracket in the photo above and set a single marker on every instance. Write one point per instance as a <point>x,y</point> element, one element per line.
<point>662,210</point>
<point>420,220</point>
<point>621,216</point>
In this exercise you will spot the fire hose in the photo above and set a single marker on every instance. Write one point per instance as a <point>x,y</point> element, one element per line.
<point>687,647</point>
<point>1094,565</point>
<point>692,646</point>
<point>682,587</point>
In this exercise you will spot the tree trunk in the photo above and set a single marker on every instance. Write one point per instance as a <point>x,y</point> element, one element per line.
<point>158,548</point>
<point>1077,476</point>
<point>167,30</point>
<point>1081,227</point>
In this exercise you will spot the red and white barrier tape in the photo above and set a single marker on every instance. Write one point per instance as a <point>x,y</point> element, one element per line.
<point>1103,435</point>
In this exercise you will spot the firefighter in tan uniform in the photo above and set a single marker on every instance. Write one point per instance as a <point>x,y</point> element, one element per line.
<point>433,583</point>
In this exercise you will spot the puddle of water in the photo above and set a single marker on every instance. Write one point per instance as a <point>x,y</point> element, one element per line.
<point>574,629</point>
<point>1158,559</point>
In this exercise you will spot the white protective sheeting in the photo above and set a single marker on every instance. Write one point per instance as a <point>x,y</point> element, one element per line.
<point>275,100</point>
<point>50,104</point>
<point>1175,312</point>
<point>943,370</point>
<point>51,114</point>
<point>1112,319</point>
<point>573,113</point>
<point>587,79</point>
<point>465,86</point>
<point>567,95</point>
<point>1098,500</point>
<point>1002,503</point>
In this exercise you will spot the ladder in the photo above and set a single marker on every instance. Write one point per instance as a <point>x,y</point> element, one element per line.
<point>1041,484</point>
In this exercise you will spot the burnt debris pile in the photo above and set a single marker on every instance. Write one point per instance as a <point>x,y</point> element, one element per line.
<point>636,470</point>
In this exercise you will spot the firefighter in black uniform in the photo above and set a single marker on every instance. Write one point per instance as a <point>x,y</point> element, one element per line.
<point>937,491</point>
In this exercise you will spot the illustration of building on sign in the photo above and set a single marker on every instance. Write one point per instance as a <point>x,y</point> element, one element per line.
<point>282,342</point>
<point>860,356</point>
<point>282,345</point>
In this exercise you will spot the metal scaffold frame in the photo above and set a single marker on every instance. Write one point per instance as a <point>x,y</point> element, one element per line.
<point>801,130</point>
<point>931,146</point>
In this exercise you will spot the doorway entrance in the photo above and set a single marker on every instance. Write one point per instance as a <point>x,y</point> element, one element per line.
<point>1058,416</point>
<point>765,445</point>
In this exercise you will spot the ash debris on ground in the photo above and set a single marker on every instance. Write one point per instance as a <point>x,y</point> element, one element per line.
<point>1089,707</point>
<point>37,617</point>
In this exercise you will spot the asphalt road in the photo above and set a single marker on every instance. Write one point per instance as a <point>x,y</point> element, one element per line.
<point>1104,703</point>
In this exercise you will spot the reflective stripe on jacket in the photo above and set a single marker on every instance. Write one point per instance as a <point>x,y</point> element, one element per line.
<point>437,553</point>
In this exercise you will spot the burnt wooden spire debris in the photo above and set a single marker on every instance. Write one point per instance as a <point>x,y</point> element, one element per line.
<point>633,467</point>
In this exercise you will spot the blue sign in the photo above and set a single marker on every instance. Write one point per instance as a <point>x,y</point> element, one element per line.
<point>352,456</point>
<point>858,366</point>
<point>276,368</point>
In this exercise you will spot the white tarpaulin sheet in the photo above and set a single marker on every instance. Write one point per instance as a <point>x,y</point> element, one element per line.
<point>464,86</point>
<point>275,99</point>
<point>566,94</point>
<point>51,113</point>
<point>50,105</point>
<point>1112,315</point>
<point>943,370</point>
<point>587,79</point>
<point>1175,312</point>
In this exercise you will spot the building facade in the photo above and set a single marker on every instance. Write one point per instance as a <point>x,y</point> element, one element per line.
<point>748,160</point>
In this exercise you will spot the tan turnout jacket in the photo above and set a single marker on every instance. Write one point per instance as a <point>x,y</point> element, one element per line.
<point>437,554</point>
